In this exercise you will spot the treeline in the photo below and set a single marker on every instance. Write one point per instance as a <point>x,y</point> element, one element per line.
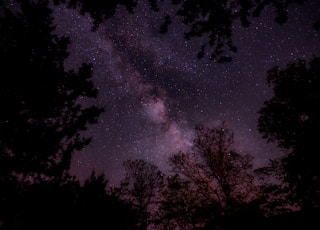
<point>211,187</point>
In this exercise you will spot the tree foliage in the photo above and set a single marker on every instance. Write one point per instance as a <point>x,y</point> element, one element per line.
<point>98,10</point>
<point>223,163</point>
<point>142,187</point>
<point>183,206</point>
<point>221,178</point>
<point>213,20</point>
<point>41,116</point>
<point>68,205</point>
<point>291,119</point>
<point>41,120</point>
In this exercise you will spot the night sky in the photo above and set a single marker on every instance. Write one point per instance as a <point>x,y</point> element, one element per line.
<point>155,90</point>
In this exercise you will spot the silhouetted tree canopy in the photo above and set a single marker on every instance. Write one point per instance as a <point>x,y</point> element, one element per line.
<point>211,19</point>
<point>41,120</point>
<point>179,205</point>
<point>142,187</point>
<point>41,114</point>
<point>215,19</point>
<point>98,10</point>
<point>97,209</point>
<point>291,118</point>
<point>221,178</point>
<point>54,204</point>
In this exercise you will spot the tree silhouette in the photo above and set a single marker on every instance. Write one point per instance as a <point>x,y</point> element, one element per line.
<point>97,209</point>
<point>291,119</point>
<point>180,206</point>
<point>231,170</point>
<point>221,177</point>
<point>41,120</point>
<point>98,10</point>
<point>274,199</point>
<point>46,205</point>
<point>55,205</point>
<point>213,20</point>
<point>142,187</point>
<point>42,115</point>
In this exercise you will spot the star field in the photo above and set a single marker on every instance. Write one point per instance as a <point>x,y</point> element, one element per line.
<point>154,89</point>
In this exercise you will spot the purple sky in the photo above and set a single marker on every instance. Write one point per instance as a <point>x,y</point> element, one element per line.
<point>154,89</point>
